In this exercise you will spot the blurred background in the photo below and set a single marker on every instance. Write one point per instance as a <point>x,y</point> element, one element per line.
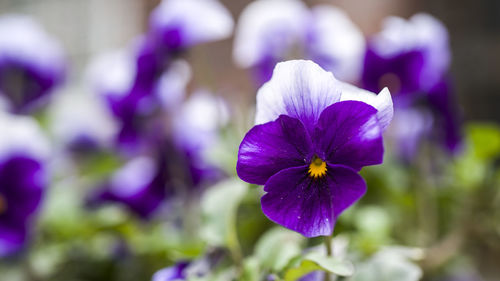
<point>438,213</point>
<point>86,28</point>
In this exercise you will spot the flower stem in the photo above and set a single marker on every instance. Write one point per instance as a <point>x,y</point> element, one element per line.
<point>328,245</point>
<point>329,252</point>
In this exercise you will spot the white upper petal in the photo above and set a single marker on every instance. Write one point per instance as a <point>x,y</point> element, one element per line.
<point>22,135</point>
<point>197,122</point>
<point>171,86</point>
<point>23,40</point>
<point>200,20</point>
<point>336,38</point>
<point>382,102</point>
<point>112,73</point>
<point>433,35</point>
<point>269,27</point>
<point>74,115</point>
<point>298,88</point>
<point>134,176</point>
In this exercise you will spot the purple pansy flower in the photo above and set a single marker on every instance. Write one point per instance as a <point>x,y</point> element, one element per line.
<point>144,184</point>
<point>195,127</point>
<point>140,185</point>
<point>137,82</point>
<point>270,31</point>
<point>313,134</point>
<point>187,270</point>
<point>31,63</point>
<point>125,80</point>
<point>412,59</point>
<point>176,25</point>
<point>130,93</point>
<point>173,273</point>
<point>23,151</point>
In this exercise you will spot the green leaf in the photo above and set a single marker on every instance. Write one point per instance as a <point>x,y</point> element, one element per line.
<point>277,247</point>
<point>485,140</point>
<point>374,221</point>
<point>251,269</point>
<point>388,265</point>
<point>304,268</point>
<point>219,206</point>
<point>483,146</point>
<point>317,261</point>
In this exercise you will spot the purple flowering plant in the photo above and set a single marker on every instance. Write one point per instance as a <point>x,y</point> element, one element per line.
<point>270,31</point>
<point>313,135</point>
<point>23,179</point>
<point>32,64</point>
<point>412,57</point>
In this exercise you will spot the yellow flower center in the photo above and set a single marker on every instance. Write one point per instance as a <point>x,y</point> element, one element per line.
<point>317,168</point>
<point>3,204</point>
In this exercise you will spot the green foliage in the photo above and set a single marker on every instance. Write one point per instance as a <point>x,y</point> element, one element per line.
<point>482,147</point>
<point>389,265</point>
<point>219,207</point>
<point>277,247</point>
<point>317,261</point>
<point>484,139</point>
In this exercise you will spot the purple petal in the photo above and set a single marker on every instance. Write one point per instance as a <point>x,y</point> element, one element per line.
<point>447,115</point>
<point>176,272</point>
<point>400,73</point>
<point>348,133</point>
<point>311,206</point>
<point>313,276</point>
<point>12,239</point>
<point>21,185</point>
<point>272,147</point>
<point>22,182</point>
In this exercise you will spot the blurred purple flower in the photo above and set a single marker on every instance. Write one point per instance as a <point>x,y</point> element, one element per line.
<point>23,151</point>
<point>412,59</point>
<point>31,63</point>
<point>313,276</point>
<point>313,134</point>
<point>140,185</point>
<point>148,77</point>
<point>173,273</point>
<point>185,270</point>
<point>129,88</point>
<point>196,128</point>
<point>176,25</point>
<point>144,184</point>
<point>270,31</point>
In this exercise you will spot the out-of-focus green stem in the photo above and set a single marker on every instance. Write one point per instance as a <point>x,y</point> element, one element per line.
<point>427,213</point>
<point>426,201</point>
<point>329,252</point>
